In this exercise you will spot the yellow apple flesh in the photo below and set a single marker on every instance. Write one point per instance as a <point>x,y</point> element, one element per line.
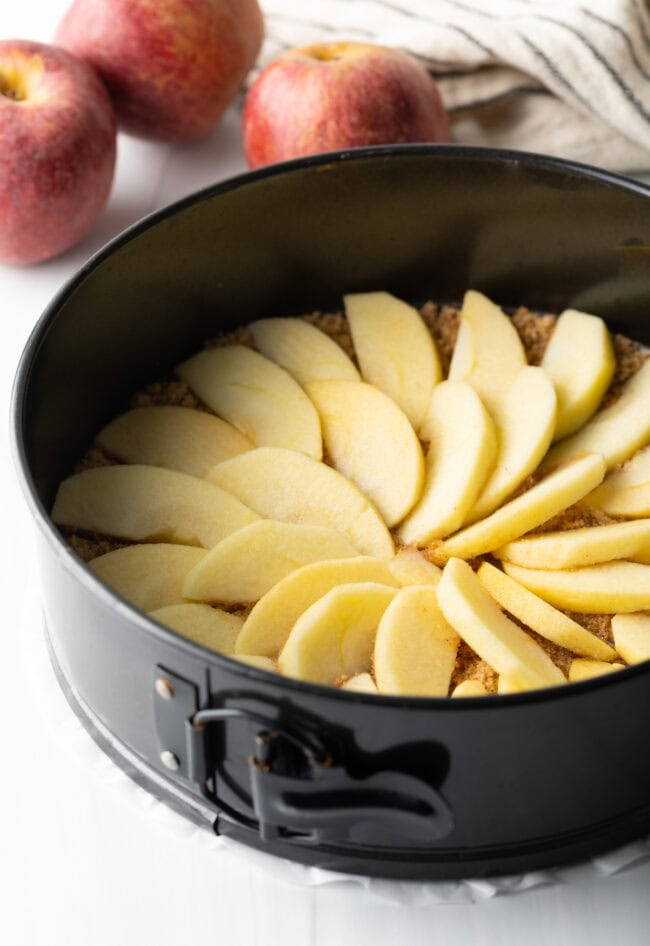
<point>370,441</point>
<point>632,636</point>
<point>473,613</point>
<point>577,547</point>
<point>303,350</point>
<point>289,486</point>
<point>149,503</point>
<point>360,683</point>
<point>148,576</point>
<point>177,438</point>
<point>540,616</point>
<point>410,567</point>
<point>395,350</point>
<point>461,454</point>
<point>582,669</point>
<point>580,361</point>
<point>255,395</point>
<point>595,589</point>
<point>335,636</point>
<point>267,627</point>
<point>552,495</point>
<point>210,627</point>
<point>626,491</point>
<point>415,648</point>
<point>469,688</point>
<point>248,563</point>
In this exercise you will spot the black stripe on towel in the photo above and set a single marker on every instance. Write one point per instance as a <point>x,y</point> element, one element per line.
<point>625,36</point>
<point>555,72</point>
<point>431,19</point>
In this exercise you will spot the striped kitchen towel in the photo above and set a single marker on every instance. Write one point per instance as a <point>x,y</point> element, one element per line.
<point>564,77</point>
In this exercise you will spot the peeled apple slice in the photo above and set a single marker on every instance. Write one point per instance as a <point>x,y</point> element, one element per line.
<point>148,576</point>
<point>133,501</point>
<point>632,636</point>
<point>410,567</point>
<point>302,349</point>
<point>246,564</point>
<point>267,627</point>
<point>285,485</point>
<point>473,613</point>
<point>580,381</point>
<point>415,648</point>
<point>260,663</point>
<point>556,492</point>
<point>595,589</point>
<point>578,547</point>
<point>525,420</point>
<point>370,441</point>
<point>395,350</point>
<point>177,438</point>
<point>335,636</point>
<point>582,669</point>
<point>257,396</point>
<point>210,627</point>
<point>360,683</point>
<point>617,431</point>
<point>626,491</point>
<point>469,688</point>
<point>540,616</point>
<point>462,451</point>
<point>488,353</point>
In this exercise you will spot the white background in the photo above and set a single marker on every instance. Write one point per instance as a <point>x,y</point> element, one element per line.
<point>88,860</point>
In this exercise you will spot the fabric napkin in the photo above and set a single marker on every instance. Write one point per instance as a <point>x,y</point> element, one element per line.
<point>563,77</point>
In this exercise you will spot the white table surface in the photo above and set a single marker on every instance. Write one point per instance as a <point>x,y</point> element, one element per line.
<point>88,860</point>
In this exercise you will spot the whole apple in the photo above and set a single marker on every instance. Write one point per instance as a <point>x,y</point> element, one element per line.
<point>172,67</point>
<point>340,95</point>
<point>57,150</point>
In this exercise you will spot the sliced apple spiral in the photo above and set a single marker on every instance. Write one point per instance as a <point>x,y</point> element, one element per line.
<point>285,485</point>
<point>461,454</point>
<point>137,502</point>
<point>335,636</point>
<point>177,438</point>
<point>395,349</point>
<point>303,350</point>
<point>371,442</point>
<point>257,396</point>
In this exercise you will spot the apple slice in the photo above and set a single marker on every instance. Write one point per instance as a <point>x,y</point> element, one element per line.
<point>577,547</point>
<point>580,380</point>
<point>370,441</point>
<point>395,349</point>
<point>540,616</point>
<point>174,437</point>
<point>360,683</point>
<point>285,485</point>
<point>626,491</point>
<point>210,627</point>
<point>617,431</point>
<point>488,353</point>
<point>469,688</point>
<point>148,576</point>
<point>335,636</point>
<point>632,636</point>
<point>303,350</point>
<point>582,669</point>
<point>550,496</point>
<point>461,454</point>
<point>267,627</point>
<point>472,612</point>
<point>260,663</point>
<point>149,503</point>
<point>256,396</point>
<point>505,686</point>
<point>595,589</point>
<point>415,648</point>
<point>410,567</point>
<point>525,420</point>
<point>245,565</point>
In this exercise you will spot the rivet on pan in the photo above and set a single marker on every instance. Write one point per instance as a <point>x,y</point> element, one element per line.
<point>164,689</point>
<point>169,760</point>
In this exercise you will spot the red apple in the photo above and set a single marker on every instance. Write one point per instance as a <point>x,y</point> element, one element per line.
<point>57,150</point>
<point>172,67</point>
<point>340,95</point>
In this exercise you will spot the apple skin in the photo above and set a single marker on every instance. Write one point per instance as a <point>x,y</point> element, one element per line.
<point>340,95</point>
<point>172,67</point>
<point>57,150</point>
